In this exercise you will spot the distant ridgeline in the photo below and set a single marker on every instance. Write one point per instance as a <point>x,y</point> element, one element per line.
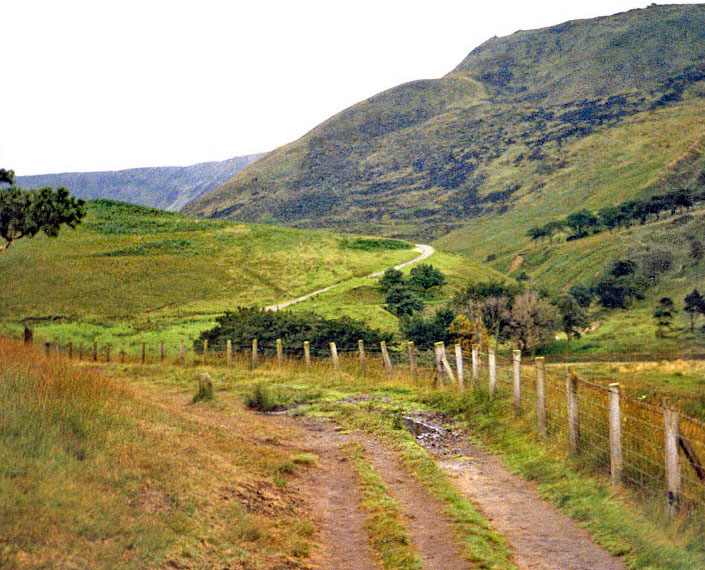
<point>166,188</point>
<point>505,129</point>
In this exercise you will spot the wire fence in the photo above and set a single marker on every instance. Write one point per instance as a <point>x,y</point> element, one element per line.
<point>650,449</point>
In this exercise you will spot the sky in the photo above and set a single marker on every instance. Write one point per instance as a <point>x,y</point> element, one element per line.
<point>106,85</point>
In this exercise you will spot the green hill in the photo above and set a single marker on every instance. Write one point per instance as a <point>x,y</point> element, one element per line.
<point>509,132</point>
<point>130,273</point>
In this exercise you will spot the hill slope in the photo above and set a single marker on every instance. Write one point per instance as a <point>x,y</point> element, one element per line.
<point>168,188</point>
<point>130,273</point>
<point>495,135</point>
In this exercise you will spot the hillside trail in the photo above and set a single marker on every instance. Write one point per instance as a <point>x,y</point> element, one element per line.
<point>424,250</point>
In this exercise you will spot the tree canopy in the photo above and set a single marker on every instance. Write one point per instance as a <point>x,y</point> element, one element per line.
<point>25,213</point>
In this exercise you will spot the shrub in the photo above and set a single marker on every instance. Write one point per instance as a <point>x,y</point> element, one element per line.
<point>244,324</point>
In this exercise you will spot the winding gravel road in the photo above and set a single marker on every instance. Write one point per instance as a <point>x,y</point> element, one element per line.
<point>426,251</point>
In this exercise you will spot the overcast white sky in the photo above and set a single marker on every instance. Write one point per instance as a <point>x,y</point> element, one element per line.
<point>104,85</point>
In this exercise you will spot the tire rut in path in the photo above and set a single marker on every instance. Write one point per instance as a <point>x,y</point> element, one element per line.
<point>540,536</point>
<point>333,490</point>
<point>424,517</point>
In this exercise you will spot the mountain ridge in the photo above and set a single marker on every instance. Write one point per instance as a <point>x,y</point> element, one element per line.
<point>426,158</point>
<point>164,187</point>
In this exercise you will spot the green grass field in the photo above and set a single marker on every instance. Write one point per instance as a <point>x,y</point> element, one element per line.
<point>130,274</point>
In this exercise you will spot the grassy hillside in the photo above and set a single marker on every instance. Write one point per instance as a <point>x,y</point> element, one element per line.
<point>130,273</point>
<point>508,132</point>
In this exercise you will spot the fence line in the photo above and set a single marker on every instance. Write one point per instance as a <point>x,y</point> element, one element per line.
<point>638,445</point>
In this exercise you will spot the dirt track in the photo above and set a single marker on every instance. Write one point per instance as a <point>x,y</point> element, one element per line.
<point>540,536</point>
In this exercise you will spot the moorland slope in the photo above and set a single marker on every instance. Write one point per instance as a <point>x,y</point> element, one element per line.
<point>528,126</point>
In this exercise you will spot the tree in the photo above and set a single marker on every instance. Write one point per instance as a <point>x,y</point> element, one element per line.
<point>580,222</point>
<point>572,316</point>
<point>694,304</point>
<point>532,320</point>
<point>401,300</point>
<point>537,232</point>
<point>425,332</point>
<point>25,213</point>
<point>582,294</point>
<point>7,176</point>
<point>663,315</point>
<point>611,217</point>
<point>390,278</point>
<point>424,277</point>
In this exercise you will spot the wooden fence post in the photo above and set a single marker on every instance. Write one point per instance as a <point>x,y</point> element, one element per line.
<point>229,353</point>
<point>307,353</point>
<point>28,335</point>
<point>95,351</point>
<point>205,352</point>
<point>673,468</point>
<point>107,352</point>
<point>280,352</point>
<point>361,350</point>
<point>144,352</point>
<point>121,355</point>
<point>616,456</point>
<point>80,351</point>
<point>413,366</point>
<point>161,351</point>
<point>573,411</point>
<point>459,365</point>
<point>445,369</point>
<point>541,395</point>
<point>70,349</point>
<point>438,378</point>
<point>334,356</point>
<point>47,349</point>
<point>254,352</point>
<point>385,358</point>
<point>475,365</point>
<point>516,367</point>
<point>492,365</point>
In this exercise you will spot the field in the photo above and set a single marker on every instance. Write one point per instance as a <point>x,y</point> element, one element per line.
<point>116,466</point>
<point>129,274</point>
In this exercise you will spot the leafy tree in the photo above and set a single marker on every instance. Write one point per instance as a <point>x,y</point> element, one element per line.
<point>424,277</point>
<point>537,232</point>
<point>424,332</point>
<point>553,227</point>
<point>390,278</point>
<point>572,316</point>
<point>479,291</point>
<point>623,267</point>
<point>402,300</point>
<point>611,217</point>
<point>618,292</point>
<point>7,176</point>
<point>694,304</point>
<point>532,320</point>
<point>580,222</point>
<point>663,315</point>
<point>654,262</point>
<point>696,249</point>
<point>582,294</point>
<point>25,213</point>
